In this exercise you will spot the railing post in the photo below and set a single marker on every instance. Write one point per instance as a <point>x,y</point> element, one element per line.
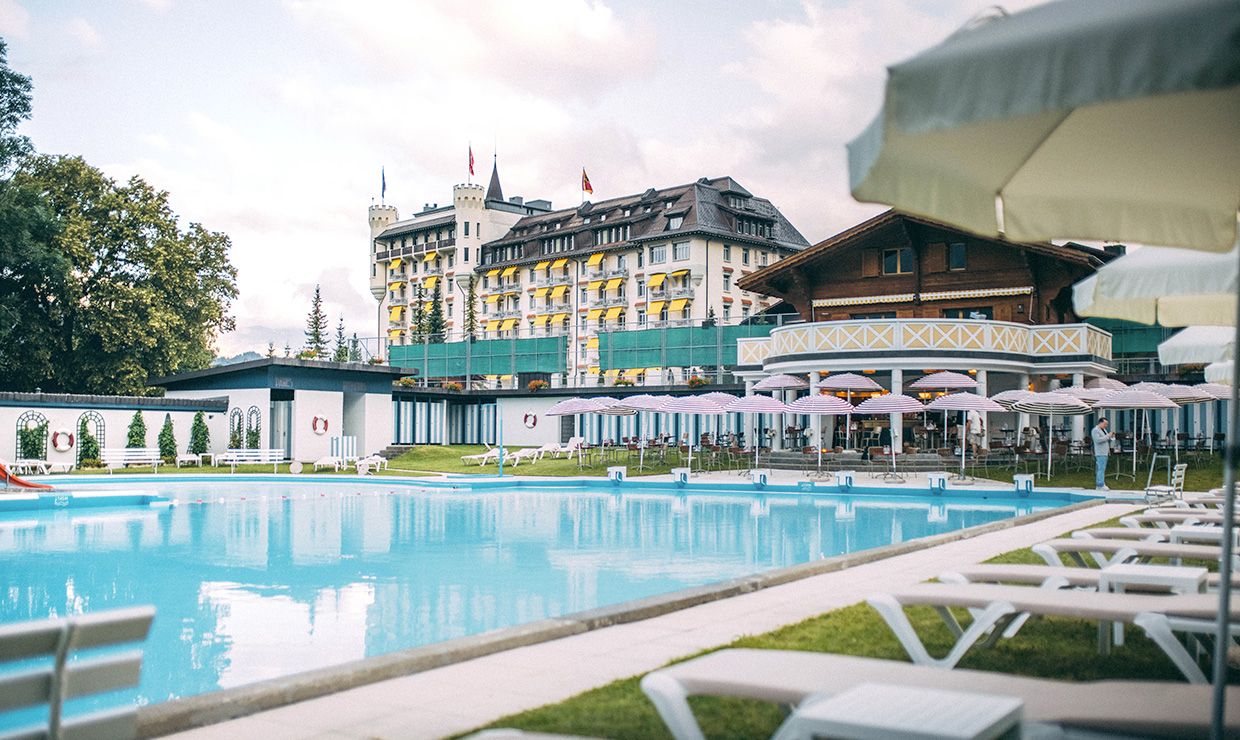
<point>718,351</point>
<point>426,353</point>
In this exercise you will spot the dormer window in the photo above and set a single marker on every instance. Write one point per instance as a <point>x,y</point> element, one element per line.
<point>675,222</point>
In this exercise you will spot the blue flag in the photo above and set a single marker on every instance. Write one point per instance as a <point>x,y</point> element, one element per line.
<point>382,184</point>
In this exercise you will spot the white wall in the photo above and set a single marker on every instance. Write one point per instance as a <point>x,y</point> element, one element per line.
<point>377,429</point>
<point>116,428</point>
<point>512,413</point>
<point>237,398</point>
<point>308,446</point>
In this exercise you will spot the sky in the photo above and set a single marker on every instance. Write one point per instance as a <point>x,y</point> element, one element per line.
<point>271,120</point>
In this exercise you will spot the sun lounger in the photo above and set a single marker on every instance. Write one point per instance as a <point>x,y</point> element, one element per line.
<point>526,453</point>
<point>787,677</point>
<point>482,458</point>
<point>1160,616</point>
<point>1152,534</point>
<point>330,461</point>
<point>571,447</point>
<point>1054,576</point>
<point>1108,552</point>
<point>1172,517</point>
<point>375,462</point>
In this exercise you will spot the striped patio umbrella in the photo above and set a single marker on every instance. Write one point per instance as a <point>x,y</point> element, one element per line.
<point>1088,395</point>
<point>781,383</point>
<point>1134,399</point>
<point>699,405</point>
<point>1110,384</point>
<point>757,405</point>
<point>818,406</point>
<point>945,380</point>
<point>964,402</point>
<point>719,397</point>
<point>571,407</point>
<point>848,382</point>
<point>1217,391</point>
<point>1051,405</point>
<point>891,403</point>
<point>643,403</point>
<point>1183,395</point>
<point>1007,398</point>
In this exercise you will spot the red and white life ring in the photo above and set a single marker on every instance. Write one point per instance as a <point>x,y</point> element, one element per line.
<point>319,425</point>
<point>530,421</point>
<point>62,440</point>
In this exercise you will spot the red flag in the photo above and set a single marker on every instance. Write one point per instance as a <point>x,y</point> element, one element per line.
<point>471,160</point>
<point>585,182</point>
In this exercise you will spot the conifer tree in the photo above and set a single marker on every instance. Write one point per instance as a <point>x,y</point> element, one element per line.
<point>316,326</point>
<point>471,311</point>
<point>137,432</point>
<point>435,326</point>
<point>199,435</point>
<point>341,352</point>
<point>167,440</point>
<point>88,446</point>
<point>271,349</point>
<point>355,349</point>
<point>288,351</point>
<point>417,326</point>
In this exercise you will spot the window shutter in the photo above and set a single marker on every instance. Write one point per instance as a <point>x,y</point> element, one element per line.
<point>869,263</point>
<point>936,257</point>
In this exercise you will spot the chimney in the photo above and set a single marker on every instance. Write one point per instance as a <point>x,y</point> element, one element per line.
<point>1116,249</point>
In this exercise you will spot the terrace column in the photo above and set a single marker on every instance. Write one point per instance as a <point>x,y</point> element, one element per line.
<point>1022,420</point>
<point>897,420</point>
<point>981,391</point>
<point>816,437</point>
<point>752,420</point>
<point>1078,422</point>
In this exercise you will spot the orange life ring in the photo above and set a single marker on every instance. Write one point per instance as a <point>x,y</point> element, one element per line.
<point>530,421</point>
<point>319,425</point>
<point>62,440</point>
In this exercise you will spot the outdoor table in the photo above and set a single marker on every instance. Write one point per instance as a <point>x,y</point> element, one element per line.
<point>1115,578</point>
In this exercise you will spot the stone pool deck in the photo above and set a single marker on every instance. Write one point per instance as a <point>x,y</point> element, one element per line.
<point>456,698</point>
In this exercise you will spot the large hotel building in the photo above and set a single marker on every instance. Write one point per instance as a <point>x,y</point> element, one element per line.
<point>662,258</point>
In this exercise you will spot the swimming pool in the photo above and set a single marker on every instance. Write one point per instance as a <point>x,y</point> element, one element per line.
<point>260,577</point>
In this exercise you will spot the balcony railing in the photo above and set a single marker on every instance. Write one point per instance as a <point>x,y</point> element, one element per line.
<point>419,249</point>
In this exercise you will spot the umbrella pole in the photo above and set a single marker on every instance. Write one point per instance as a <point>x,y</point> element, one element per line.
<point>1222,640</point>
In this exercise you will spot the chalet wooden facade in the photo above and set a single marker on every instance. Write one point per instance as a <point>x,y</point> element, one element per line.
<point>896,266</point>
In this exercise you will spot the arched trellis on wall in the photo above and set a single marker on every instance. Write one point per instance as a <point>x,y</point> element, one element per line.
<point>236,429</point>
<point>253,428</point>
<point>94,424</point>
<point>31,422</point>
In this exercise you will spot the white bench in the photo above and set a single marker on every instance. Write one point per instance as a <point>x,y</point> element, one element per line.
<point>189,458</point>
<point>233,458</point>
<point>121,457</point>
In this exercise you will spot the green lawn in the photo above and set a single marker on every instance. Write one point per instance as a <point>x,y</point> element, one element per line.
<point>1203,474</point>
<point>1046,647</point>
<point>447,459</point>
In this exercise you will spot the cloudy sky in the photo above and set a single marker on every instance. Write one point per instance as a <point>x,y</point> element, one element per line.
<point>270,120</point>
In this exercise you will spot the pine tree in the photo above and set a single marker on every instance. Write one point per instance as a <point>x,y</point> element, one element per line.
<point>710,318</point>
<point>471,311</point>
<point>435,326</point>
<point>288,351</point>
<point>355,349</point>
<point>417,326</point>
<point>167,440</point>
<point>341,352</point>
<point>271,349</point>
<point>88,446</point>
<point>137,432</point>
<point>199,435</point>
<point>316,326</point>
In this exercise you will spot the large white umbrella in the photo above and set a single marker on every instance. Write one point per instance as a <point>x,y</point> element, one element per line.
<point>699,405</point>
<point>1092,119</point>
<point>820,405</point>
<point>757,405</point>
<point>1110,384</point>
<point>1222,372</point>
<point>1051,405</point>
<point>963,402</point>
<point>1134,399</point>
<point>891,403</point>
<point>1161,285</point>
<point>944,380</point>
<point>1198,345</point>
<point>780,383</point>
<point>849,382</point>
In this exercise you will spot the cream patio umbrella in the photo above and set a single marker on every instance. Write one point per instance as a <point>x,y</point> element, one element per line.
<point>1224,373</point>
<point>891,403</point>
<point>1091,119</point>
<point>819,405</point>
<point>849,382</point>
<point>1051,405</point>
<point>1198,345</point>
<point>1160,285</point>
<point>964,402</point>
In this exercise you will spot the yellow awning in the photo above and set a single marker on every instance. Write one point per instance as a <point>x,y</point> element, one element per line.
<point>592,343</point>
<point>430,256</point>
<point>678,273</point>
<point>595,284</point>
<point>594,260</point>
<point>394,264</point>
<point>395,285</point>
<point>652,370</point>
<point>561,262</point>
<point>613,372</point>
<point>542,265</point>
<point>678,304</point>
<point>541,320</point>
<point>592,370</point>
<point>541,292</point>
<point>655,308</point>
<point>634,373</point>
<point>394,314</point>
<point>508,271</point>
<point>559,291</point>
<point>505,377</point>
<point>429,283</point>
<point>614,283</point>
<point>508,324</point>
<point>493,273</point>
<point>657,279</point>
<point>427,304</point>
<point>493,299</point>
<point>513,292</point>
<point>614,312</point>
<point>493,324</point>
<point>559,317</point>
<point>393,334</point>
<point>594,314</point>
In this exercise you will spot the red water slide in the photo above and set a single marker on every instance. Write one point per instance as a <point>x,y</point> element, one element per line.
<point>12,480</point>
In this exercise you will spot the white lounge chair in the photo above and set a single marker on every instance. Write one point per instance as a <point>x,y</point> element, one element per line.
<point>1109,552</point>
<point>526,453</point>
<point>376,462</point>
<point>551,448</point>
<point>1171,517</point>
<point>1173,490</point>
<point>1150,534</point>
<point>571,447</point>
<point>788,677</point>
<point>996,606</point>
<point>329,461</point>
<point>1052,576</point>
<point>482,458</point>
<point>61,673</point>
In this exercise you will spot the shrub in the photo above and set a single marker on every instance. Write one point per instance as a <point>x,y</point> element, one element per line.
<point>199,435</point>
<point>167,440</point>
<point>88,446</point>
<point>538,385</point>
<point>137,432</point>
<point>253,435</point>
<point>452,385</point>
<point>234,438</point>
<point>623,382</point>
<point>32,441</point>
<point>91,462</point>
<point>407,382</point>
<point>697,381</point>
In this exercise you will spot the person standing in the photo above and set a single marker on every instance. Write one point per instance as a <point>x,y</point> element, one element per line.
<point>1102,450</point>
<point>976,427</point>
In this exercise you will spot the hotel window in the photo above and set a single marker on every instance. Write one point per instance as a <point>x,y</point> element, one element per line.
<point>674,222</point>
<point>641,258</point>
<point>898,261</point>
<point>581,297</point>
<point>727,281</point>
<point>620,262</point>
<point>744,312</point>
<point>466,254</point>
<point>451,261</point>
<point>972,312</point>
<point>876,315</point>
<point>727,252</point>
<point>727,311</point>
<point>658,253</point>
<point>466,228</point>
<point>745,256</point>
<point>680,251</point>
<point>641,287</point>
<point>956,259</point>
<point>532,274</point>
<point>478,229</point>
<point>486,281</point>
<point>641,317</point>
<point>761,259</point>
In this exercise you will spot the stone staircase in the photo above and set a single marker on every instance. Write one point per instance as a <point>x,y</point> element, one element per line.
<point>392,451</point>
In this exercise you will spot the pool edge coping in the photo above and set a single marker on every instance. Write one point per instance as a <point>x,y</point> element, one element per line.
<point>213,707</point>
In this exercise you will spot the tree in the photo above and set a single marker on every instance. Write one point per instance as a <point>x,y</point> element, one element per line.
<point>316,326</point>
<point>342,348</point>
<point>288,351</point>
<point>137,431</point>
<point>435,326</point>
<point>271,349</point>
<point>88,446</point>
<point>417,325</point>
<point>471,311</point>
<point>710,318</point>
<point>355,349</point>
<point>14,108</point>
<point>100,287</point>
<point>199,435</point>
<point>167,440</point>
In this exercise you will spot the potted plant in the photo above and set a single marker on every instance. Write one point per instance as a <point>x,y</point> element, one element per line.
<point>452,385</point>
<point>622,382</point>
<point>537,385</point>
<point>406,382</point>
<point>697,381</point>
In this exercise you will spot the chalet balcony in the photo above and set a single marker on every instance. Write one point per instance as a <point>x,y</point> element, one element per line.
<point>617,272</point>
<point>686,291</point>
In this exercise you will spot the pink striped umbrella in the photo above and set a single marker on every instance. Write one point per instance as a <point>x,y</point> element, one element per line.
<point>963,402</point>
<point>719,397</point>
<point>1134,399</point>
<point>945,380</point>
<point>571,407</point>
<point>1110,384</point>
<point>780,383</point>
<point>1217,391</point>
<point>891,403</point>
<point>1051,405</point>
<point>699,405</point>
<point>819,406</point>
<point>849,382</point>
<point>1086,394</point>
<point>1183,395</point>
<point>757,405</point>
<point>1007,398</point>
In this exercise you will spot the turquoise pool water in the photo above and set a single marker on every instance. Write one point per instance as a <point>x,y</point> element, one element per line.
<point>255,579</point>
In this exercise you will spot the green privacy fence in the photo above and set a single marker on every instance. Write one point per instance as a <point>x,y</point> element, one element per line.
<point>483,357</point>
<point>686,346</point>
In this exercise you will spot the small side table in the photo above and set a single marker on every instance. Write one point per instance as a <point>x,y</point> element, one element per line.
<point>1116,578</point>
<point>873,711</point>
